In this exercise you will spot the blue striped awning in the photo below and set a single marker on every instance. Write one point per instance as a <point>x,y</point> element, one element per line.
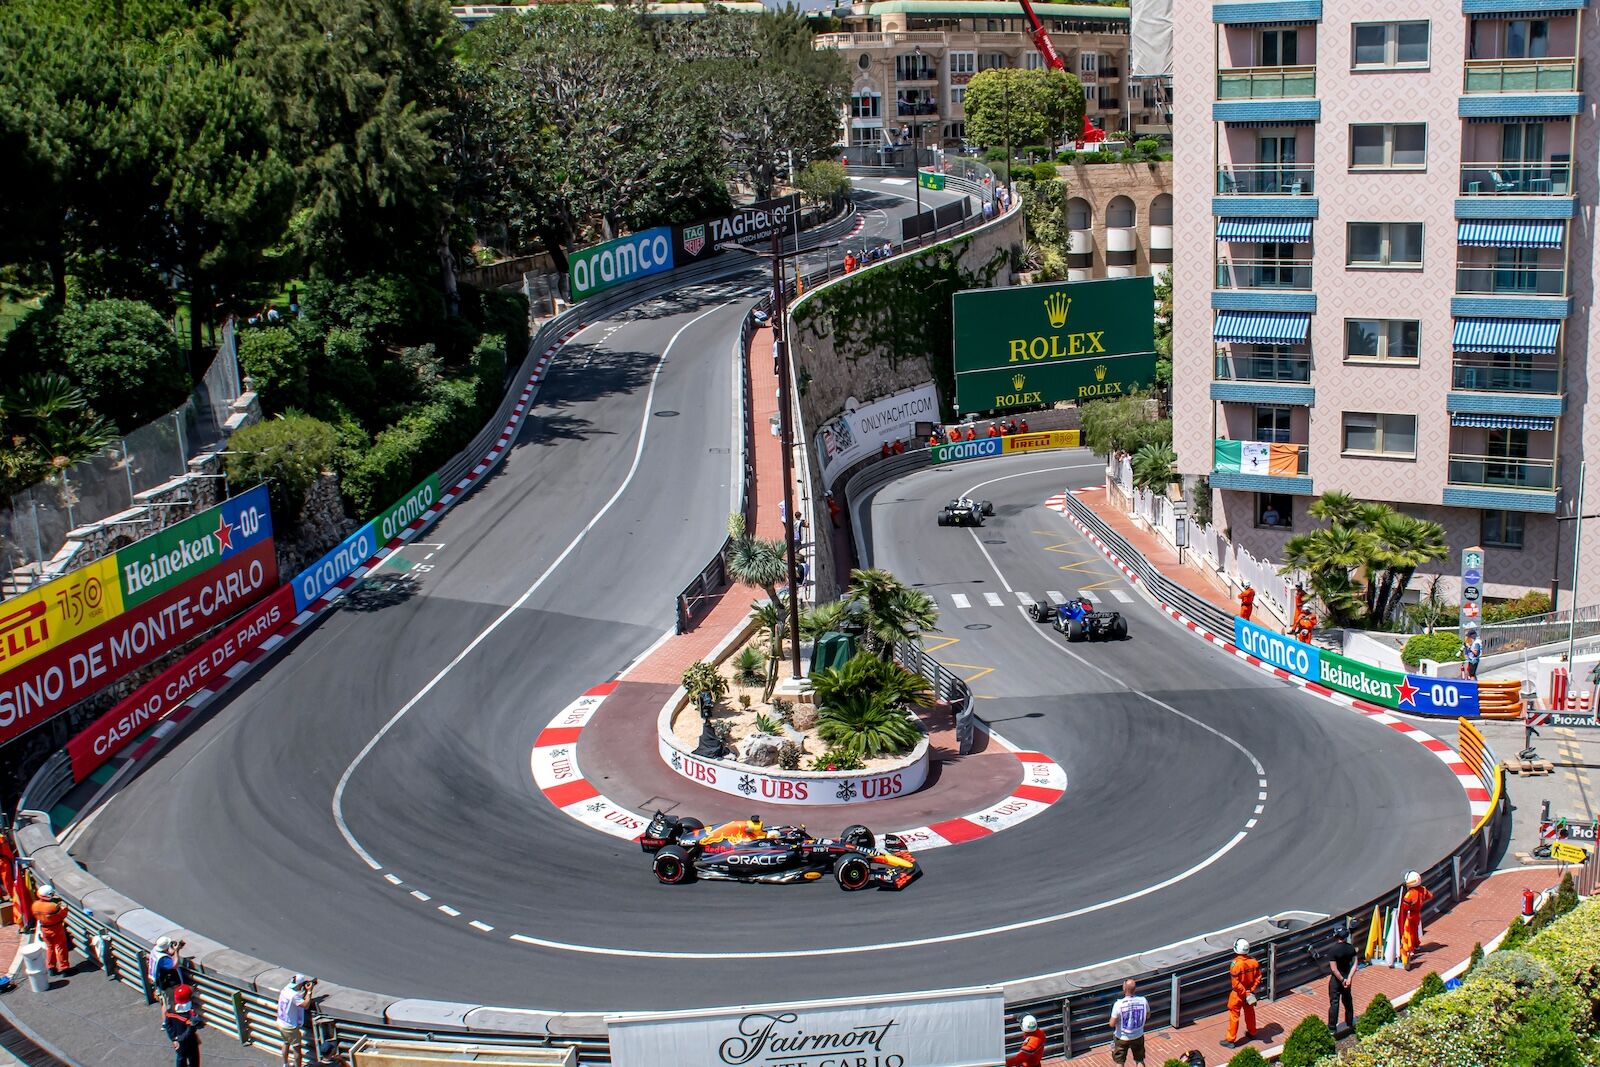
<point>1287,231</point>
<point>1502,422</point>
<point>1261,124</point>
<point>1521,336</point>
<point>1261,328</point>
<point>1510,233</point>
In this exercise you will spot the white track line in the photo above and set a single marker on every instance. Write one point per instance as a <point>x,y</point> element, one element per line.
<point>638,454</point>
<point>960,600</point>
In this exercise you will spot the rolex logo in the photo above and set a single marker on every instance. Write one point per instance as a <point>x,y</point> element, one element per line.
<point>1099,372</point>
<point>1017,381</point>
<point>1055,306</point>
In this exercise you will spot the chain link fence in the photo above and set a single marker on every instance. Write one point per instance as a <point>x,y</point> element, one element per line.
<point>35,523</point>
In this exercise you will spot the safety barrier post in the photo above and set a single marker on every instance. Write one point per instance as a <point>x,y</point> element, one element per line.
<point>144,978</point>
<point>1172,1017</point>
<point>239,1020</point>
<point>1455,878</point>
<point>1272,972</point>
<point>1066,1027</point>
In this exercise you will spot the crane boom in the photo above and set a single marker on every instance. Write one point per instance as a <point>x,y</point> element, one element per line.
<point>1052,58</point>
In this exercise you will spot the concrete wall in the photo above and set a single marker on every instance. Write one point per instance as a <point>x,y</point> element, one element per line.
<point>1148,185</point>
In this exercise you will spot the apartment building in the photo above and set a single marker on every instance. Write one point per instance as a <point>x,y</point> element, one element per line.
<point>911,61</point>
<point>1389,209</point>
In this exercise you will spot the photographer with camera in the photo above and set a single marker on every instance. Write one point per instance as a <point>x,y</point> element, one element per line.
<point>294,1005</point>
<point>166,970</point>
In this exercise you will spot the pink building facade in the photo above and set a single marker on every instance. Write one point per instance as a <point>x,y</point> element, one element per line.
<point>1384,229</point>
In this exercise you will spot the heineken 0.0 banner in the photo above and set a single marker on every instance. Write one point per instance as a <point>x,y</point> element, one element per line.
<point>1030,345</point>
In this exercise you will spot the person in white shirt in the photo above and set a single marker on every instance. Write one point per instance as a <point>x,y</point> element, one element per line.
<point>1128,1016</point>
<point>293,1000</point>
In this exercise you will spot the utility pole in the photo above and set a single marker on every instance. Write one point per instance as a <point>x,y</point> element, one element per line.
<point>780,352</point>
<point>1577,555</point>
<point>916,167</point>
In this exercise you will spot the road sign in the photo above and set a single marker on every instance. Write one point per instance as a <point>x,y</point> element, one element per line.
<point>1471,587</point>
<point>1566,853</point>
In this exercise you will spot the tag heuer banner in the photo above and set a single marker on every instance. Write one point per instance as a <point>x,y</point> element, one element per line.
<point>755,222</point>
<point>1030,345</point>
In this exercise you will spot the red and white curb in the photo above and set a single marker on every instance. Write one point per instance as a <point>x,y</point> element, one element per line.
<point>558,777</point>
<point>1471,784</point>
<point>288,629</point>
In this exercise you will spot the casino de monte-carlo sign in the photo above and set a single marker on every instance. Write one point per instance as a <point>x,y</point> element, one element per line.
<point>953,1028</point>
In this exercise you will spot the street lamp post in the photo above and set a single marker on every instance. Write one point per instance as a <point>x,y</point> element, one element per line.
<point>1005,96</point>
<point>916,168</point>
<point>780,351</point>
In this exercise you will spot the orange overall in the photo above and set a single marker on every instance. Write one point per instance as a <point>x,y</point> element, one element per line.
<point>1411,904</point>
<point>1244,976</point>
<point>1305,624</point>
<point>51,915</point>
<point>1247,603</point>
<point>1031,1054</point>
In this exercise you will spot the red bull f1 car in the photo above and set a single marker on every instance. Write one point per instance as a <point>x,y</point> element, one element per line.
<point>747,850</point>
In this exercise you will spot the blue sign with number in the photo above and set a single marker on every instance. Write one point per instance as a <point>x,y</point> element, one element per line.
<point>1438,696</point>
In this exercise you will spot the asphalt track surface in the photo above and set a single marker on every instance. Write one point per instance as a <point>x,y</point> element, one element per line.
<point>557,572</point>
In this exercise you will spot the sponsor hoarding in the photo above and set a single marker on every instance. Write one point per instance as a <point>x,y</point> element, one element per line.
<point>167,691</point>
<point>959,1028</point>
<point>777,787</point>
<point>1039,442</point>
<point>1029,345</point>
<point>66,674</point>
<point>392,520</point>
<point>982,448</point>
<point>985,447</point>
<point>1471,610</point>
<point>930,179</point>
<point>854,435</point>
<point>744,225</point>
<point>1275,649</point>
<point>356,549</point>
<point>638,255</point>
<point>52,615</point>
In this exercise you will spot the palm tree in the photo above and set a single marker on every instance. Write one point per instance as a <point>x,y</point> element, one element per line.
<point>771,615</point>
<point>759,562</point>
<point>865,673</point>
<point>867,725</point>
<point>818,620</point>
<point>1329,556</point>
<point>890,610</point>
<point>1152,467</point>
<point>1335,507</point>
<point>1402,544</point>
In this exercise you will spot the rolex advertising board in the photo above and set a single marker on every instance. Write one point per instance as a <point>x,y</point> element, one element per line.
<point>1030,345</point>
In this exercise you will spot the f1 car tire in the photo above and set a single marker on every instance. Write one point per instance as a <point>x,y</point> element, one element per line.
<point>857,834</point>
<point>690,826</point>
<point>1077,630</point>
<point>1119,630</point>
<point>944,518</point>
<point>1039,612</point>
<point>672,866</point>
<point>986,508</point>
<point>852,873</point>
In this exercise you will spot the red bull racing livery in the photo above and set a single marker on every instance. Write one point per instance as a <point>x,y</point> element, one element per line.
<point>747,850</point>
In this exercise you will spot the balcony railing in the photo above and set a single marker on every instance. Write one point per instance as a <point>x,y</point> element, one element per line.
<point>1522,75</point>
<point>917,74</point>
<point>1243,368</point>
<point>1265,179</point>
<point>1553,178</point>
<point>928,107</point>
<point>1490,280</point>
<point>1505,376</point>
<point>1264,274</point>
<point>1499,472</point>
<point>879,40</point>
<point>1266,83</point>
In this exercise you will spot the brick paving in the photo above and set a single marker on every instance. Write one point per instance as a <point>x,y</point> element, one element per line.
<point>1446,943</point>
<point>667,662</point>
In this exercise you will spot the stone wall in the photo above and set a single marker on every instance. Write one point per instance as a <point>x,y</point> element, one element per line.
<point>1144,184</point>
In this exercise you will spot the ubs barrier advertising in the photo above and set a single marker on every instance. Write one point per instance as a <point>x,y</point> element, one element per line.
<point>1416,693</point>
<point>1037,344</point>
<point>985,447</point>
<point>962,1028</point>
<point>854,435</point>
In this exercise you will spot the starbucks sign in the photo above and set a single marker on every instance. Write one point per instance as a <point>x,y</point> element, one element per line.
<point>1029,345</point>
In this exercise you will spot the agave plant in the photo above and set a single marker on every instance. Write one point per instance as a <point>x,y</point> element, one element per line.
<point>866,725</point>
<point>766,724</point>
<point>749,666</point>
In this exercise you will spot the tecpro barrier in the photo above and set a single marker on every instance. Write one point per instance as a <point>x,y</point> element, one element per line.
<point>1412,693</point>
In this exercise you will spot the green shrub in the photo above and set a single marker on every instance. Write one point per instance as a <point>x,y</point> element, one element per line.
<point>782,708</point>
<point>1566,897</point>
<point>276,361</point>
<point>413,447</point>
<point>994,155</point>
<point>766,724</point>
<point>1248,1057</point>
<point>821,180</point>
<point>1571,946</point>
<point>1439,647</point>
<point>837,761</point>
<point>750,666</point>
<point>1432,986</point>
<point>288,454</point>
<point>1148,148</point>
<point>1044,172</point>
<point>1380,1013</point>
<point>1517,935</point>
<point>702,677</point>
<point>1034,151</point>
<point>1529,603</point>
<point>867,725</point>
<point>1309,1042</point>
<point>1476,957</point>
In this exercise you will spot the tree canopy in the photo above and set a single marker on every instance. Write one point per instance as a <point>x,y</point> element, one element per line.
<point>1031,106</point>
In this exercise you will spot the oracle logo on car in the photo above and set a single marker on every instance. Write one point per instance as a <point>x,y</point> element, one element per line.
<point>756,859</point>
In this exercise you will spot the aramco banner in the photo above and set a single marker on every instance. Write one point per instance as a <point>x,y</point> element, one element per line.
<point>599,267</point>
<point>1031,345</point>
<point>854,435</point>
<point>959,1028</point>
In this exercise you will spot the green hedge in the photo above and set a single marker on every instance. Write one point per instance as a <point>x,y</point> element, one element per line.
<point>1439,647</point>
<point>1535,1006</point>
<point>288,454</point>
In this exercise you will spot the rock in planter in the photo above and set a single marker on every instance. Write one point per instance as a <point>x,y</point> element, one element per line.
<point>761,750</point>
<point>805,717</point>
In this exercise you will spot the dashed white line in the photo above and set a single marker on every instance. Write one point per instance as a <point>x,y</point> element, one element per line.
<point>420,895</point>
<point>391,879</point>
<point>960,600</point>
<point>993,600</point>
<point>1024,598</point>
<point>1260,808</point>
<point>1056,596</point>
<point>1122,596</point>
<point>448,910</point>
<point>485,927</point>
<point>1261,796</point>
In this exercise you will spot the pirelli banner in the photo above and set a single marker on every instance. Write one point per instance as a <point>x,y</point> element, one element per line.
<point>69,638</point>
<point>1032,345</point>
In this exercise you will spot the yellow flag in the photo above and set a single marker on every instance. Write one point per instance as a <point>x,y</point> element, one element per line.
<point>1375,935</point>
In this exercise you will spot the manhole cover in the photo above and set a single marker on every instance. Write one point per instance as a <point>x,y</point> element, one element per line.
<point>994,540</point>
<point>976,626</point>
<point>666,414</point>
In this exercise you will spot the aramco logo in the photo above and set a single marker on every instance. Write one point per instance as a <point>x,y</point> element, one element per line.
<point>1056,306</point>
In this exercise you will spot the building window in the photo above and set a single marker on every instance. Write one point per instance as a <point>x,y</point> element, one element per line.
<point>1272,423</point>
<point>1275,511</point>
<point>1380,433</point>
<point>958,94</point>
<point>1389,44</point>
<point>992,60</point>
<point>1382,340</point>
<point>1088,63</point>
<point>866,136</point>
<point>956,131</point>
<point>866,106</point>
<point>1033,61</point>
<point>1279,48</point>
<point>1396,146</point>
<point>1384,244</point>
<point>1502,529</point>
<point>963,62</point>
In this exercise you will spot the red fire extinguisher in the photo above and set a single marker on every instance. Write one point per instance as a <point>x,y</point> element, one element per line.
<point>1527,902</point>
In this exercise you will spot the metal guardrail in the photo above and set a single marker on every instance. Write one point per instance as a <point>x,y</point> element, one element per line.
<point>1201,611</point>
<point>947,687</point>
